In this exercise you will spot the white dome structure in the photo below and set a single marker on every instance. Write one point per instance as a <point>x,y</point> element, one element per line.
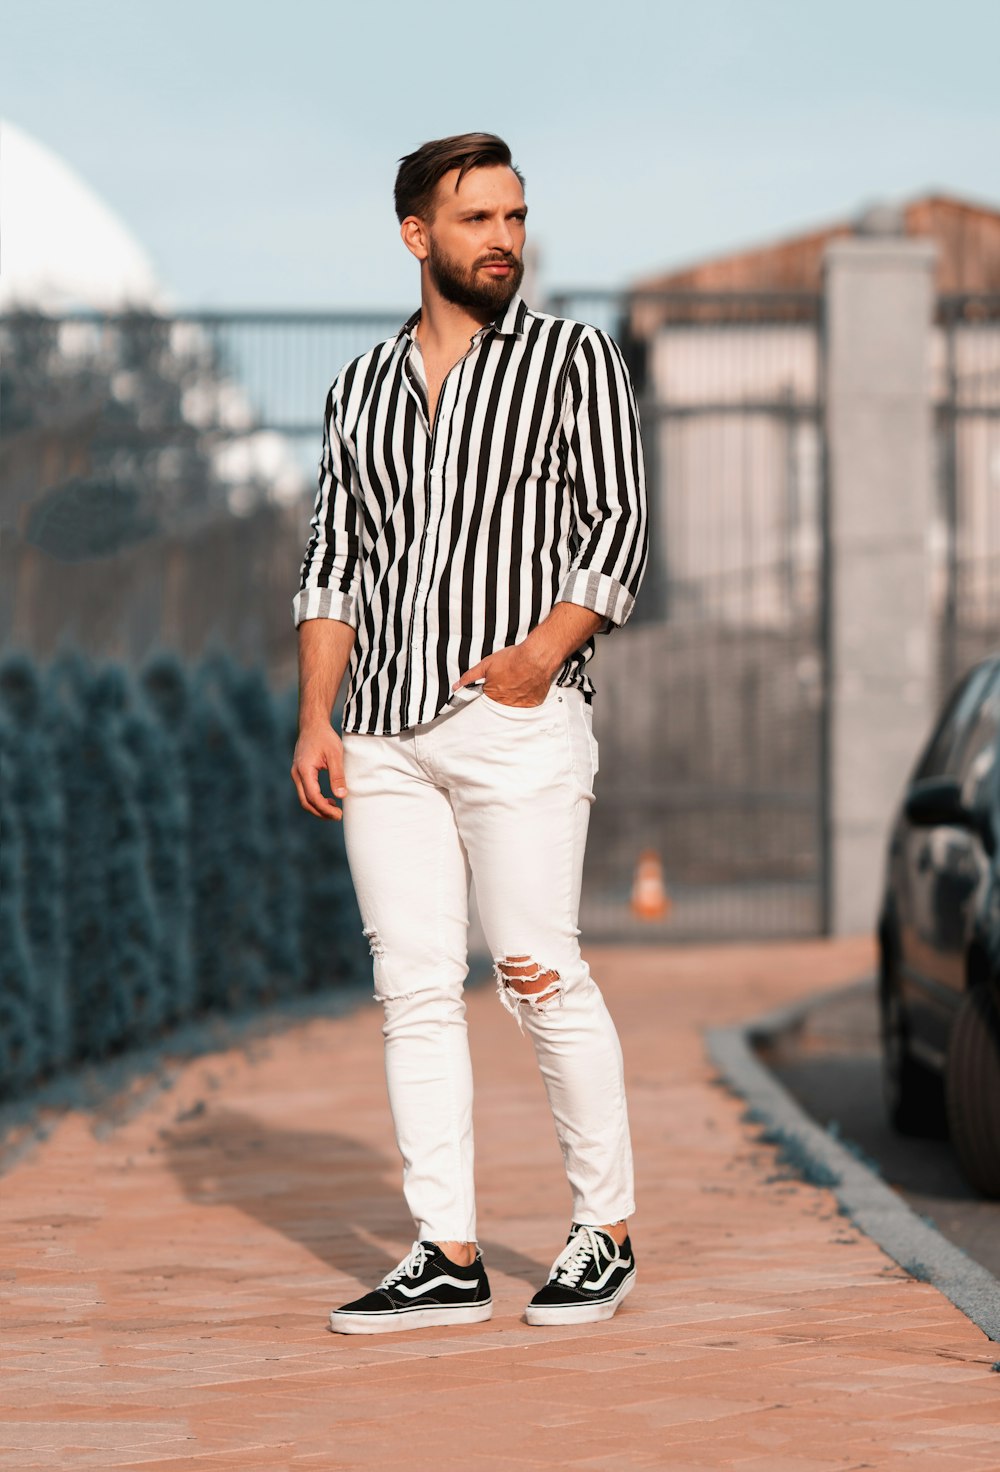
<point>62,250</point>
<point>62,247</point>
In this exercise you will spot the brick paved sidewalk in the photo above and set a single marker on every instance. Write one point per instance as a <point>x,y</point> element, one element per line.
<point>167,1281</point>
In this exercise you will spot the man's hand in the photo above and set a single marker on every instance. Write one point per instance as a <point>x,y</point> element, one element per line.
<point>514,676</point>
<point>319,748</point>
<point>522,674</point>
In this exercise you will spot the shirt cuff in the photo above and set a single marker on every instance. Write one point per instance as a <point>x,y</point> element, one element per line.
<point>598,591</point>
<point>325,603</point>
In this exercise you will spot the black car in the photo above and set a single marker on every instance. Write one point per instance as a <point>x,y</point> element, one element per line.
<point>939,936</point>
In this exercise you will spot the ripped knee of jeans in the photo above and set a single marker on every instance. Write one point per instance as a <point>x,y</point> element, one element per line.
<point>374,940</point>
<point>523,983</point>
<point>384,988</point>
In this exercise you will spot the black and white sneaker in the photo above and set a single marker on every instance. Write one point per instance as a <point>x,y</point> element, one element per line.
<point>426,1288</point>
<point>588,1280</point>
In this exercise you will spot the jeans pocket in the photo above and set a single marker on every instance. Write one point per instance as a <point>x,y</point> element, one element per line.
<point>515,712</point>
<point>581,746</point>
<point>591,742</point>
<point>587,718</point>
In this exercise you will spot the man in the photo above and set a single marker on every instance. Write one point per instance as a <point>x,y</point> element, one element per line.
<point>480,517</point>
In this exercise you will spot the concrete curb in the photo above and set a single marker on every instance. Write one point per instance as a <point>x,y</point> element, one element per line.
<point>863,1196</point>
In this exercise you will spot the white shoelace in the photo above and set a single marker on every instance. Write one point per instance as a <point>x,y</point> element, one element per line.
<point>582,1248</point>
<point>411,1266</point>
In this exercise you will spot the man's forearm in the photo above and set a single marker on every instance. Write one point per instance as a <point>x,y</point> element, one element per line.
<point>561,632</point>
<point>325,646</point>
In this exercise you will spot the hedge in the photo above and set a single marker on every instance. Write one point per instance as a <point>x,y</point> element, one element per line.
<point>155,864</point>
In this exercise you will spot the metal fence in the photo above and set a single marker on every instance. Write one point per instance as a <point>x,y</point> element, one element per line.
<point>966,540</point>
<point>156,476</point>
<point>284,362</point>
<point>710,704</point>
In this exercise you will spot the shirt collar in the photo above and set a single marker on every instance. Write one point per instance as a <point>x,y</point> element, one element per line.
<point>509,323</point>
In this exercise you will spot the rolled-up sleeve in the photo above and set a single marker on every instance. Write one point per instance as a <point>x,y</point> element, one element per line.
<point>331,567</point>
<point>605,467</point>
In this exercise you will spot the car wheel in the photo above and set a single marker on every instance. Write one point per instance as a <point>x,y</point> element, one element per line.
<point>913,1094</point>
<point>972,1083</point>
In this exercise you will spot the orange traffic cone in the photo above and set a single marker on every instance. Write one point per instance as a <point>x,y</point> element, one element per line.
<point>650,900</point>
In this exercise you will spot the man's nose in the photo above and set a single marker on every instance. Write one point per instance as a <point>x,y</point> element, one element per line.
<point>502,237</point>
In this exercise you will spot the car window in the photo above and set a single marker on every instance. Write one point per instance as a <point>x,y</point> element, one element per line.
<point>941,757</point>
<point>979,752</point>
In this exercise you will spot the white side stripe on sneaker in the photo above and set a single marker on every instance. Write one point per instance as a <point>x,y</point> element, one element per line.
<point>598,1284</point>
<point>434,1283</point>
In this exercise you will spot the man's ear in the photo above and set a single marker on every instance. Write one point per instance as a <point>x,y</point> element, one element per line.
<point>414,236</point>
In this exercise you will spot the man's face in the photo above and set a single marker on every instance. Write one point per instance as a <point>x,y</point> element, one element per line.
<point>475,239</point>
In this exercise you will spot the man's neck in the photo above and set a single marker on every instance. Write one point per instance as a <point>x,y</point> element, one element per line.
<point>445,328</point>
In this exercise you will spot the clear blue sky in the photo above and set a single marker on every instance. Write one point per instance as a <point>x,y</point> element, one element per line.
<point>252,147</point>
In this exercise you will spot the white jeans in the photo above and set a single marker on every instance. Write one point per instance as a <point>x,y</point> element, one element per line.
<point>500,794</point>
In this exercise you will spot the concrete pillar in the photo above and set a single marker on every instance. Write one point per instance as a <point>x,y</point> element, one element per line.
<point>879,305</point>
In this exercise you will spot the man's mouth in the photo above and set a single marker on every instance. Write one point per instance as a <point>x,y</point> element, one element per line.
<point>500,268</point>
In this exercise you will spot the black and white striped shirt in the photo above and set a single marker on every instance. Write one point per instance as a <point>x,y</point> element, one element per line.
<point>442,545</point>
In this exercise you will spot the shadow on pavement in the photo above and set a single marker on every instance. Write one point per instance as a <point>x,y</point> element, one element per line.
<point>328,1192</point>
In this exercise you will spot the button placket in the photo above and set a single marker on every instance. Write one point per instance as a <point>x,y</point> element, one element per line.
<point>442,415</point>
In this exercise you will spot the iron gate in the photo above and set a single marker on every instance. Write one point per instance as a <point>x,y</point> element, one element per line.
<point>966,543</point>
<point>710,705</point>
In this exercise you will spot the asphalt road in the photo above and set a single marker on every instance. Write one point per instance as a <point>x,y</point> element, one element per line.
<point>832,1066</point>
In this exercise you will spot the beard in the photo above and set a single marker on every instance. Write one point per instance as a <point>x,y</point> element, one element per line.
<point>471,288</point>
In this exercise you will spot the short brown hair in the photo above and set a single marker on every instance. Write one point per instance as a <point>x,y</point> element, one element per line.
<point>420,172</point>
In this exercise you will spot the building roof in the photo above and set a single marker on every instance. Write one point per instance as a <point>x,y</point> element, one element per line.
<point>967,236</point>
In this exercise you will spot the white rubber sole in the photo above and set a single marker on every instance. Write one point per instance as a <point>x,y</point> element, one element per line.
<point>414,1318</point>
<point>580,1313</point>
